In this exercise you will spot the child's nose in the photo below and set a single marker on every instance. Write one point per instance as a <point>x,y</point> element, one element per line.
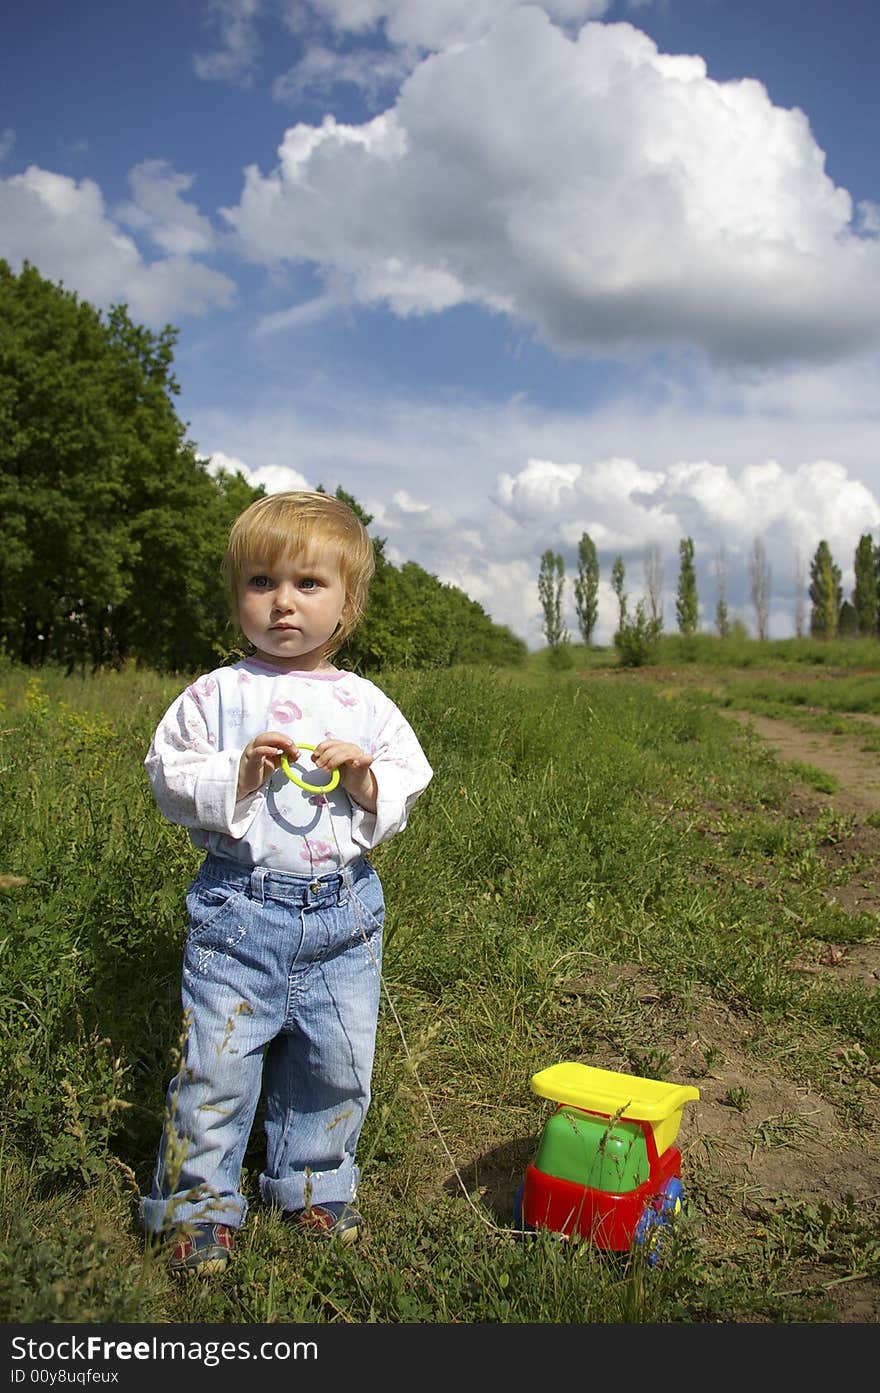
<point>285,596</point>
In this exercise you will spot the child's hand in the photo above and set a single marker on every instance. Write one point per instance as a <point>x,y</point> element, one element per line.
<point>357,778</point>
<point>260,758</point>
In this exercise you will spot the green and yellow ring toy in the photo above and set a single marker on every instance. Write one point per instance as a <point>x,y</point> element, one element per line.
<point>301,783</point>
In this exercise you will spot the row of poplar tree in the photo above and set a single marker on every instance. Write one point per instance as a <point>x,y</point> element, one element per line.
<point>830,614</point>
<point>112,528</point>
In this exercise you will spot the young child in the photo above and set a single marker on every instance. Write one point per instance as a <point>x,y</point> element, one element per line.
<point>281,967</point>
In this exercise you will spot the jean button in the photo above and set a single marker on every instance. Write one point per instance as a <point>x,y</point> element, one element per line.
<point>315,887</point>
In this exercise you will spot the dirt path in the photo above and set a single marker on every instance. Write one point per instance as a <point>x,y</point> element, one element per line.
<point>857,771</point>
<point>773,1149</point>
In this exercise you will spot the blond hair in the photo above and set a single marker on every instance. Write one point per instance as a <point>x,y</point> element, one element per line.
<point>285,524</point>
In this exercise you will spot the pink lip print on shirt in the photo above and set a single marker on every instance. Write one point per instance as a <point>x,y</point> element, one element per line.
<point>316,852</point>
<point>284,712</point>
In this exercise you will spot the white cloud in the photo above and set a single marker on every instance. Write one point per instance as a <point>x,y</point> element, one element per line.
<point>274,478</point>
<point>372,72</point>
<point>869,217</point>
<point>296,316</point>
<point>610,196</point>
<point>157,208</point>
<point>214,463</point>
<point>542,487</point>
<point>62,228</point>
<point>624,510</point>
<point>409,505</point>
<point>476,494</point>
<point>7,143</point>
<point>440,24</point>
<point>235,60</point>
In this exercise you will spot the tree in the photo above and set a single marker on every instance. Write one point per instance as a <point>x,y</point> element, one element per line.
<point>825,593</point>
<point>112,529</point>
<point>64,544</point>
<point>618,578</point>
<point>414,620</point>
<point>551,583</point>
<point>586,588</point>
<point>759,580</point>
<point>722,618</point>
<point>653,565</point>
<point>800,590</point>
<point>636,640</point>
<point>686,605</point>
<point>176,616</point>
<point>865,592</point>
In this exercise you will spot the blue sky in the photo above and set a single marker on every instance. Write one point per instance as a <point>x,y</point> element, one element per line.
<point>506,272</point>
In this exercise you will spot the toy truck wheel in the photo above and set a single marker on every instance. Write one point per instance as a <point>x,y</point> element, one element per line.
<point>653,1227</point>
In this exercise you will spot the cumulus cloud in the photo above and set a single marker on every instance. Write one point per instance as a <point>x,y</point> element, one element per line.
<point>626,510</point>
<point>629,511</point>
<point>476,493</point>
<point>401,32</point>
<point>611,197</point>
<point>157,208</point>
<point>62,227</point>
<point>439,24</point>
<point>274,478</point>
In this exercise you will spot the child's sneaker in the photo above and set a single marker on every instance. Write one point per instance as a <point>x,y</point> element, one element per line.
<point>335,1219</point>
<point>201,1250</point>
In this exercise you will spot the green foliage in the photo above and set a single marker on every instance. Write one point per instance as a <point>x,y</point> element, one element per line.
<point>866,595</point>
<point>551,583</point>
<point>825,593</point>
<point>414,620</point>
<point>57,1265</point>
<point>847,621</point>
<point>586,587</point>
<point>112,529</point>
<point>598,871</point>
<point>618,579</point>
<point>638,638</point>
<point>759,584</point>
<point>722,618</point>
<point>722,613</point>
<point>560,657</point>
<point>686,604</point>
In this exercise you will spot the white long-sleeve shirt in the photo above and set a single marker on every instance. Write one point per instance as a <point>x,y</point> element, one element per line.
<point>194,756</point>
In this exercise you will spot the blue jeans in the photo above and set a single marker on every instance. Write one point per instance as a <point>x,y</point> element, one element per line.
<point>280,991</point>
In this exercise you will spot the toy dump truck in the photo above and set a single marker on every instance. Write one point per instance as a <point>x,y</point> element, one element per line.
<point>606,1169</point>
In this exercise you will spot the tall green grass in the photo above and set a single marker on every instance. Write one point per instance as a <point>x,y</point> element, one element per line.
<point>572,828</point>
<point>708,651</point>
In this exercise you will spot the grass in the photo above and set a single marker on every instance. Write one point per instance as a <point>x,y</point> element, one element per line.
<point>595,866</point>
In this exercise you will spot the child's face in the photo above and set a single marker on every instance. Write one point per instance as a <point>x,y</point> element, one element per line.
<point>290,609</point>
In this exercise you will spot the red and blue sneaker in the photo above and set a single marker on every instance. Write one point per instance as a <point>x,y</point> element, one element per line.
<point>200,1250</point>
<point>333,1219</point>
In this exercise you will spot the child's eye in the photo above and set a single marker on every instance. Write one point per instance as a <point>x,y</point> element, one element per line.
<point>260,582</point>
<point>308,583</point>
